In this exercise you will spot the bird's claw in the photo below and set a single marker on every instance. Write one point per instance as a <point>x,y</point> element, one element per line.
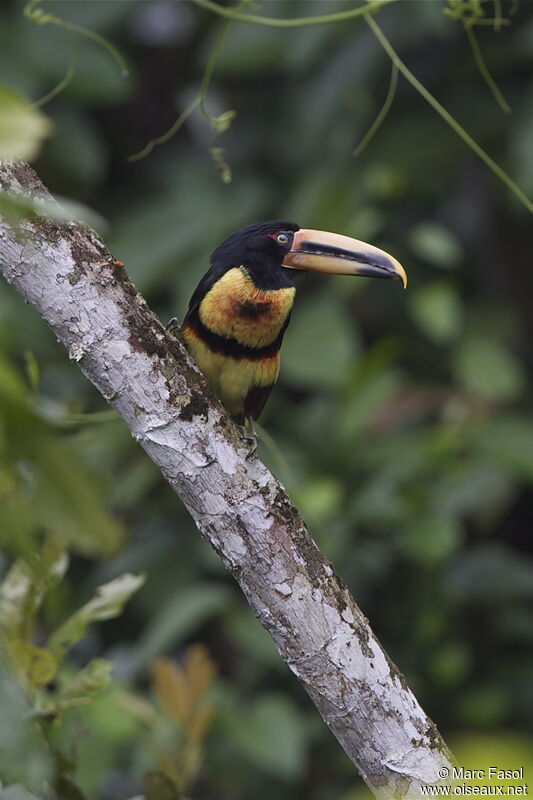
<point>171,325</point>
<point>249,435</point>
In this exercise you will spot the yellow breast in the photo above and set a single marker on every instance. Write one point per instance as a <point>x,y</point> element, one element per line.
<point>236,309</point>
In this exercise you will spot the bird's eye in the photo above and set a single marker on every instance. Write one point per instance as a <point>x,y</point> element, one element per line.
<point>282,238</point>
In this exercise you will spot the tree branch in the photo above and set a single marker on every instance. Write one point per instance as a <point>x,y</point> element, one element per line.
<point>293,22</point>
<point>86,297</point>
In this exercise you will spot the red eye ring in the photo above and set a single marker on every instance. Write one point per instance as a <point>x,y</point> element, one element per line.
<point>280,238</point>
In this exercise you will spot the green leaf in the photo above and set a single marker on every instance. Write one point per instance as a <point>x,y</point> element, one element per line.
<point>487,368</point>
<point>22,128</point>
<point>36,664</point>
<point>437,311</point>
<point>46,481</point>
<point>432,539</point>
<point>111,733</point>
<point>509,443</point>
<point>107,603</point>
<point>434,243</point>
<point>17,793</point>
<point>58,209</point>
<point>273,735</point>
<point>24,757</point>
<point>92,680</point>
<point>26,583</point>
<point>14,597</point>
<point>69,501</point>
<point>52,562</point>
<point>32,371</point>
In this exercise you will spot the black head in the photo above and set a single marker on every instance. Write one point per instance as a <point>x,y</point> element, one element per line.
<point>260,246</point>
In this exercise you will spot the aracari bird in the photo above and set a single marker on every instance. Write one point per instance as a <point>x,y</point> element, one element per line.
<point>240,310</point>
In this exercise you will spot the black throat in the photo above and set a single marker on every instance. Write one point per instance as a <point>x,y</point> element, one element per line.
<point>267,275</point>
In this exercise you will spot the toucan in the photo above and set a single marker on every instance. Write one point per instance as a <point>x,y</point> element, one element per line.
<point>239,312</point>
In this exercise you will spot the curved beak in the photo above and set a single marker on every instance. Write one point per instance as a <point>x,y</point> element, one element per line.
<point>321,251</point>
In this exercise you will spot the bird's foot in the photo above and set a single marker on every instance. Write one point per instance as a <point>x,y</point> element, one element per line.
<point>250,437</point>
<point>171,325</point>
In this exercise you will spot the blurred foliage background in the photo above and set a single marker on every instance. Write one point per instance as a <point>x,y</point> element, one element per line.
<point>401,423</point>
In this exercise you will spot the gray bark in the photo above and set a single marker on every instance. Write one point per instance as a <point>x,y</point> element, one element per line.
<point>74,283</point>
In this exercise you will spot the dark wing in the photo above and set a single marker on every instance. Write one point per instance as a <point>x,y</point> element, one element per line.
<point>212,275</point>
<point>255,400</point>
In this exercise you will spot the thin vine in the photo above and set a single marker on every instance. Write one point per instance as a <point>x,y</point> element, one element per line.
<point>278,22</point>
<point>221,123</point>
<point>165,137</point>
<point>471,13</point>
<point>218,124</point>
<point>487,77</point>
<point>376,125</point>
<point>446,116</point>
<point>455,7</point>
<point>62,84</point>
<point>40,17</point>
